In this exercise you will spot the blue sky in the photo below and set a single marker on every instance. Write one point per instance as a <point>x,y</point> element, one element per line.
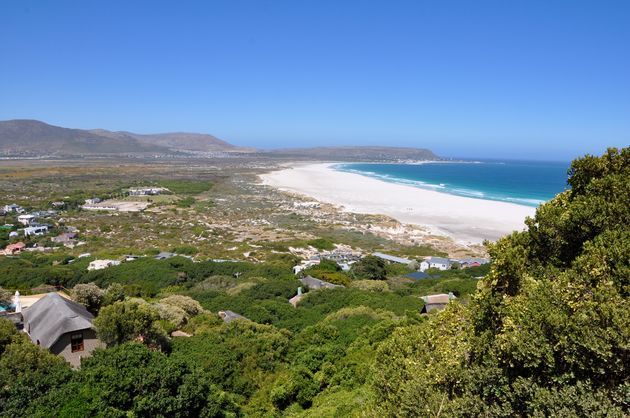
<point>520,79</point>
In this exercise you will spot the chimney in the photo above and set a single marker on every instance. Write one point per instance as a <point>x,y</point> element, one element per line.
<point>299,291</point>
<point>17,302</point>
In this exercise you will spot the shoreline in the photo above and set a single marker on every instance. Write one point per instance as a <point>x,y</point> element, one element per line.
<point>466,220</point>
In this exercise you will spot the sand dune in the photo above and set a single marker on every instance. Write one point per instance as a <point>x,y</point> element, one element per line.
<point>466,220</point>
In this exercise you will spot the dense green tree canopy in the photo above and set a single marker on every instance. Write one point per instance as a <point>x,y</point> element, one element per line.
<point>370,268</point>
<point>548,331</point>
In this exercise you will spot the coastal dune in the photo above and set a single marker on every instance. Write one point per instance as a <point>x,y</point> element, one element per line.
<point>466,220</point>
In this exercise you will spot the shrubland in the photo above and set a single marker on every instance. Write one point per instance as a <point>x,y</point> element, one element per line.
<point>542,331</point>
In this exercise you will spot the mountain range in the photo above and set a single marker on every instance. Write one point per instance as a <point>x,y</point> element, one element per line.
<point>24,137</point>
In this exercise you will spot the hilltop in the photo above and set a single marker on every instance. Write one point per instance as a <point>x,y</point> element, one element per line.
<point>32,137</point>
<point>28,138</point>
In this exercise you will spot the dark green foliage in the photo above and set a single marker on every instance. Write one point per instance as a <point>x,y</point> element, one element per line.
<point>369,268</point>
<point>132,379</point>
<point>185,250</point>
<point>186,202</point>
<point>8,333</point>
<point>127,321</point>
<point>29,271</point>
<point>397,269</point>
<point>300,387</point>
<point>329,271</point>
<point>547,332</point>
<point>235,355</point>
<point>27,372</point>
<point>146,275</point>
<point>321,244</point>
<point>459,286</point>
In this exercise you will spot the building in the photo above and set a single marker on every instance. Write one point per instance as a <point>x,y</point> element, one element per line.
<point>13,249</point>
<point>96,206</point>
<point>26,220</point>
<point>439,263</point>
<point>393,258</point>
<point>35,230</point>
<point>229,316</point>
<point>62,326</point>
<point>164,255</point>
<point>102,264</point>
<point>65,238</point>
<point>304,265</point>
<point>297,298</point>
<point>436,302</point>
<point>13,208</point>
<point>314,284</point>
<point>473,262</point>
<point>146,191</point>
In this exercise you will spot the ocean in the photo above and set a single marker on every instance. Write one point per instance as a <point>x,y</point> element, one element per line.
<point>526,183</point>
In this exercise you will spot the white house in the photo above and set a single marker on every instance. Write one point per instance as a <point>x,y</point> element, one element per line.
<point>146,191</point>
<point>35,230</point>
<point>439,263</point>
<point>13,208</point>
<point>101,264</point>
<point>26,220</point>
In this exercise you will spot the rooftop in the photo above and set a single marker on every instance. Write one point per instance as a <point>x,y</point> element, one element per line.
<point>52,316</point>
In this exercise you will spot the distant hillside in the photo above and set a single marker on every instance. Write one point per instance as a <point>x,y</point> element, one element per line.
<point>23,137</point>
<point>179,141</point>
<point>38,138</point>
<point>32,137</point>
<point>359,153</point>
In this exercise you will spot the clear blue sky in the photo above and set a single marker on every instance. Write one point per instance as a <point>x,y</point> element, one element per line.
<point>543,79</point>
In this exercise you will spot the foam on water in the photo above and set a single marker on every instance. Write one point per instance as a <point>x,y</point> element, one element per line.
<point>527,183</point>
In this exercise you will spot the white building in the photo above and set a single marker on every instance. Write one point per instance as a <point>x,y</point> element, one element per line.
<point>35,230</point>
<point>13,208</point>
<point>146,191</point>
<point>439,263</point>
<point>102,264</point>
<point>26,220</point>
<point>304,265</point>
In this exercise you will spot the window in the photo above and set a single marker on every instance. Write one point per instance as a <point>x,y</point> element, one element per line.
<point>76,342</point>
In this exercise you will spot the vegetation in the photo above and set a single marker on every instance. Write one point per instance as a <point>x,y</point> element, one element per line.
<point>369,268</point>
<point>542,331</point>
<point>546,334</point>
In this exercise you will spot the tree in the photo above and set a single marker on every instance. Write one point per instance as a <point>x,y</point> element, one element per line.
<point>115,292</point>
<point>130,320</point>
<point>186,303</point>
<point>89,295</point>
<point>8,332</point>
<point>5,297</point>
<point>369,267</point>
<point>131,380</point>
<point>27,373</point>
<point>546,333</point>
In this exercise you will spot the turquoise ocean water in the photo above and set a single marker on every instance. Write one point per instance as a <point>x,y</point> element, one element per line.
<point>522,182</point>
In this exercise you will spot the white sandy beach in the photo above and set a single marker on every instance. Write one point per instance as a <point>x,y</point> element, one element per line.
<point>466,220</point>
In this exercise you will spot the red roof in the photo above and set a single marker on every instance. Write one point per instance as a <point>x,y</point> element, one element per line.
<point>18,246</point>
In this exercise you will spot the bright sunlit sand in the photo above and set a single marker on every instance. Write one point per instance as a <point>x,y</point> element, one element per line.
<point>466,220</point>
